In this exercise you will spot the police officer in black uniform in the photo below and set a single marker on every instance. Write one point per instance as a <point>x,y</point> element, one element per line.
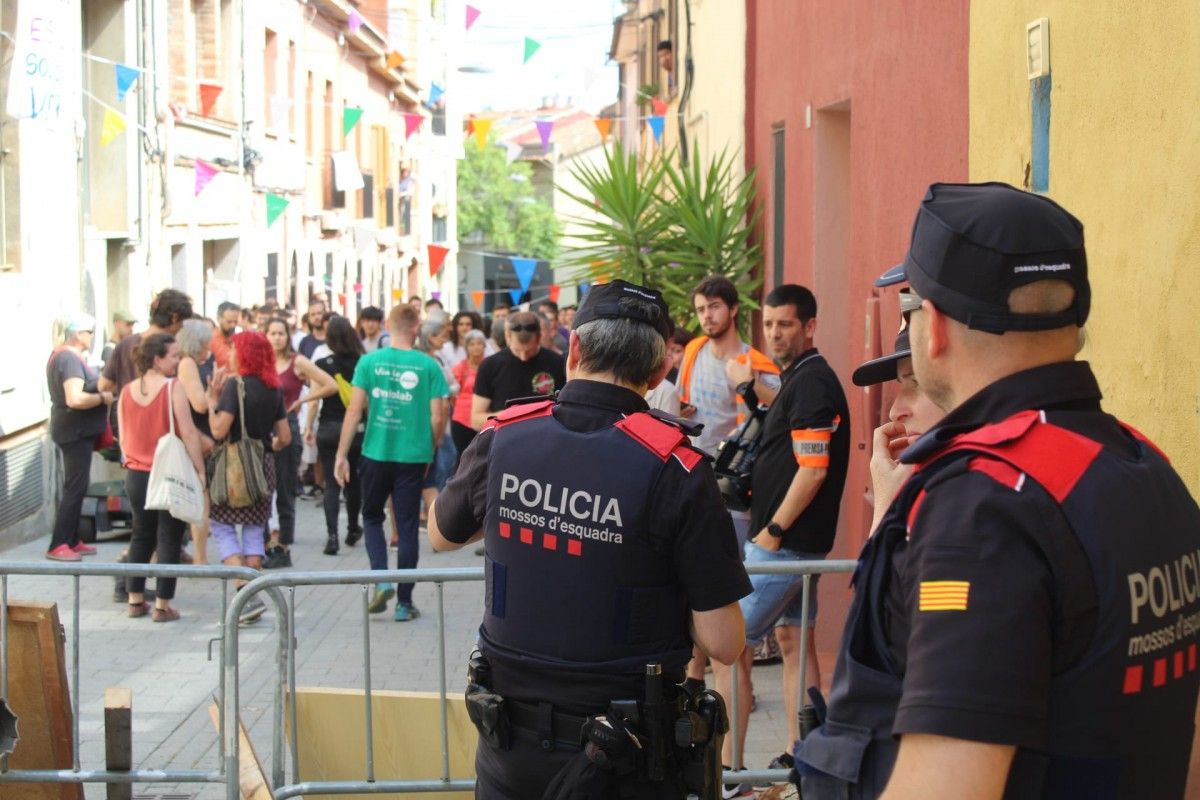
<point>1025,616</point>
<point>608,553</point>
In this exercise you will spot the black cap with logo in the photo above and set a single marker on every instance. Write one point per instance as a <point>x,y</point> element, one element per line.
<point>972,244</point>
<point>613,301</point>
<point>883,369</point>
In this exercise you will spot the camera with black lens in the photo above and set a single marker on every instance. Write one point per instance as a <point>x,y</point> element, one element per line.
<point>736,456</point>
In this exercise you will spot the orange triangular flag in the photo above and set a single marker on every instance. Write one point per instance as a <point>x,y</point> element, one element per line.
<point>394,60</point>
<point>482,127</point>
<point>604,125</point>
<point>208,98</point>
<point>477,296</point>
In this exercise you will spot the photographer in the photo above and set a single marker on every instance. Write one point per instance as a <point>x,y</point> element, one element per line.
<point>797,486</point>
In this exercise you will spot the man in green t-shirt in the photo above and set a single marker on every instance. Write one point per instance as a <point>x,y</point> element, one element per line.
<point>407,393</point>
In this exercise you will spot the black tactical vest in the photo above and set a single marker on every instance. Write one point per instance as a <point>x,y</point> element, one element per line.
<point>581,591</point>
<point>1121,718</point>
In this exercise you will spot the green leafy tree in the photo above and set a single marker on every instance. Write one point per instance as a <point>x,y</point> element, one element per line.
<point>497,200</point>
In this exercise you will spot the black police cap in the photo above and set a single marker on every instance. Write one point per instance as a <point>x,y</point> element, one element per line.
<point>884,368</point>
<point>613,301</point>
<point>972,244</point>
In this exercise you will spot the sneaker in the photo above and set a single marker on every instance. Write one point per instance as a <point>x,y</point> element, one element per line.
<point>353,535</point>
<point>782,761</point>
<point>84,549</point>
<point>383,593</point>
<point>331,545</point>
<point>406,612</point>
<point>252,611</point>
<point>63,553</point>
<point>729,791</point>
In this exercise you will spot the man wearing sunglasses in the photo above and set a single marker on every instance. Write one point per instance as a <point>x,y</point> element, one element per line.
<point>1025,616</point>
<point>523,369</point>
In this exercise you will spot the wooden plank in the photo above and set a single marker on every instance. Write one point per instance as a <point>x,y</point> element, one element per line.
<point>252,778</point>
<point>118,739</point>
<point>331,731</point>
<point>40,697</point>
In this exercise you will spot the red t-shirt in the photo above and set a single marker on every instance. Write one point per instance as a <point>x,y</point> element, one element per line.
<point>464,373</point>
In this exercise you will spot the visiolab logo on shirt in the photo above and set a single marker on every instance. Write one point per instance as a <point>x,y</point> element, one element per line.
<point>543,383</point>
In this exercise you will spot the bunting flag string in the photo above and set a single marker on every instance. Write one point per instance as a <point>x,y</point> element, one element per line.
<point>126,119</point>
<point>208,97</point>
<point>544,127</point>
<point>516,295</point>
<point>437,257</point>
<point>554,291</point>
<point>482,128</point>
<point>472,15</point>
<point>435,93</point>
<point>126,77</point>
<point>604,125</point>
<point>112,127</point>
<point>350,118</point>
<point>525,268</point>
<point>656,125</point>
<point>659,106</point>
<point>531,47</point>
<point>275,206</point>
<point>411,123</point>
<point>205,172</point>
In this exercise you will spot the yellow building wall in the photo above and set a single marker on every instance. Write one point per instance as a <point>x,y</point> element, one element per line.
<point>1125,159</point>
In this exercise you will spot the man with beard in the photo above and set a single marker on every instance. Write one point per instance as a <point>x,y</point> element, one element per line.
<point>228,316</point>
<point>523,369</point>
<point>316,327</point>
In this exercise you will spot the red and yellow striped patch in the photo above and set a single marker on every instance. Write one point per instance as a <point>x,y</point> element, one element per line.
<point>944,595</point>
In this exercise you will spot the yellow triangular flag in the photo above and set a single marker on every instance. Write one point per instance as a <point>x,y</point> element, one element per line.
<point>112,127</point>
<point>482,127</point>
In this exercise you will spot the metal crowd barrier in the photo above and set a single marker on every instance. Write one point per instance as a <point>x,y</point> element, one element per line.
<point>228,691</point>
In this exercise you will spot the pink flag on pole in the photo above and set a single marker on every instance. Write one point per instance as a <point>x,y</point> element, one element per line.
<point>411,123</point>
<point>354,21</point>
<point>205,172</point>
<point>544,127</point>
<point>472,15</point>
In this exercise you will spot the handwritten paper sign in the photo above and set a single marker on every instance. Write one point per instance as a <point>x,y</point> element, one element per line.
<point>40,65</point>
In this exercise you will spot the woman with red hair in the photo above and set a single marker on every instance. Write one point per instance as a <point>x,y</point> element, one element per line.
<point>253,359</point>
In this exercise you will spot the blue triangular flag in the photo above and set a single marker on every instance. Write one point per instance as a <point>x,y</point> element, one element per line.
<point>656,125</point>
<point>524,267</point>
<point>515,294</point>
<point>126,77</point>
<point>435,93</point>
<point>583,287</point>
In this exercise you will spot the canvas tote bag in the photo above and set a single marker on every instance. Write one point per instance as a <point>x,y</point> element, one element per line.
<point>174,486</point>
<point>235,470</point>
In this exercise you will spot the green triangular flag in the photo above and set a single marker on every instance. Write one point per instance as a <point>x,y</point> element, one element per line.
<point>350,118</point>
<point>275,206</point>
<point>531,47</point>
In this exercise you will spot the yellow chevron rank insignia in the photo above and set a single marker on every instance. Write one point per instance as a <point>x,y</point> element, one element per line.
<point>944,595</point>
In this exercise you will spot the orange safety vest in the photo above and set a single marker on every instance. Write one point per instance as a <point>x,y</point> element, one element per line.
<point>758,362</point>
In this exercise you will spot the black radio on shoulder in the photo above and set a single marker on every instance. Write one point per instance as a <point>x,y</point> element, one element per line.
<point>736,455</point>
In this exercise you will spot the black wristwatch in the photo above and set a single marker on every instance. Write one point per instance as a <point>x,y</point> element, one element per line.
<point>774,529</point>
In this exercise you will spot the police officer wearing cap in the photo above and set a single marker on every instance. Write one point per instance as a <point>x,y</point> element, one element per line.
<point>1024,619</point>
<point>608,554</point>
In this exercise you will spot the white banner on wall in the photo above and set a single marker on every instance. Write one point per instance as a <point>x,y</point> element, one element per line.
<point>37,84</point>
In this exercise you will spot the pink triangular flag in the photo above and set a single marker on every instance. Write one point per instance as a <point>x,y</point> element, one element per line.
<point>544,127</point>
<point>411,123</point>
<point>205,172</point>
<point>354,21</point>
<point>472,15</point>
<point>660,106</point>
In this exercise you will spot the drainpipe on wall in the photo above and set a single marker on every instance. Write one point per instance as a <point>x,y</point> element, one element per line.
<point>685,95</point>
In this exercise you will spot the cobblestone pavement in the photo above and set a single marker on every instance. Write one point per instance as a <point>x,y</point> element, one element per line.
<point>172,680</point>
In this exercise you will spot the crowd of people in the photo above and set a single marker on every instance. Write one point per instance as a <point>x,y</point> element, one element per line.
<point>1005,503</point>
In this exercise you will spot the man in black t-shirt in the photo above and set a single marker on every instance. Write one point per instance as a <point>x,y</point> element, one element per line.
<point>523,369</point>
<point>797,486</point>
<point>316,326</point>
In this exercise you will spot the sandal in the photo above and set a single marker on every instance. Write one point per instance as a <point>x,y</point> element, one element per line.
<point>139,609</point>
<point>165,615</point>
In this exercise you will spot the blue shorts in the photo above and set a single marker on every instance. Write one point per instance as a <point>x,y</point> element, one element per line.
<point>776,599</point>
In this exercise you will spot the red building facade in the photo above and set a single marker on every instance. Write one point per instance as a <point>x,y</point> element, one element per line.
<point>852,109</point>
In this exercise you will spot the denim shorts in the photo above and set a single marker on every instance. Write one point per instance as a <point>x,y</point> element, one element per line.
<point>776,599</point>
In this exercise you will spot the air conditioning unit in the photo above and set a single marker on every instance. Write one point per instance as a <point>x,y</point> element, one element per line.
<point>333,220</point>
